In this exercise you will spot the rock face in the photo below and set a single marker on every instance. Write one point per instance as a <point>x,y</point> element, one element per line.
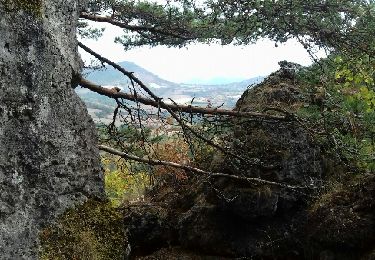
<point>48,156</point>
<point>229,218</point>
<point>223,218</point>
<point>286,149</point>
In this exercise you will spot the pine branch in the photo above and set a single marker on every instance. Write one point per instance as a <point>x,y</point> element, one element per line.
<point>134,28</point>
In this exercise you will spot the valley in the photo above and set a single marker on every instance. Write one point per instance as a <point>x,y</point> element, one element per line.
<point>101,108</point>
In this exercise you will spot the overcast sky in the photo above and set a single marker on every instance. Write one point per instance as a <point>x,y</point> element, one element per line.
<point>200,63</point>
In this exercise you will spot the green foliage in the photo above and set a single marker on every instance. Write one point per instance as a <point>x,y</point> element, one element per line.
<point>357,76</point>
<point>123,181</point>
<point>341,25</point>
<point>128,181</point>
<point>346,119</point>
<point>346,25</point>
<point>173,24</point>
<point>127,137</point>
<point>92,231</point>
<point>87,32</point>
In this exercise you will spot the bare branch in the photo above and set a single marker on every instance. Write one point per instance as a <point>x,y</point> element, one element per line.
<point>128,74</point>
<point>175,107</point>
<point>196,170</point>
<point>247,161</point>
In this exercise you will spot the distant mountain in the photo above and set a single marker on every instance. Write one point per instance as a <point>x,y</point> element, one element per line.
<point>110,76</point>
<point>101,107</point>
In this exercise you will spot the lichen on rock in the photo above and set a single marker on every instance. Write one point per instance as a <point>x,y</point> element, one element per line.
<point>93,230</point>
<point>49,159</point>
<point>224,218</point>
<point>31,6</point>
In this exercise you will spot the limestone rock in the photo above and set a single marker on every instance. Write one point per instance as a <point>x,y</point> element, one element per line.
<point>231,218</point>
<point>49,160</point>
<point>343,220</point>
<point>223,218</point>
<point>148,228</point>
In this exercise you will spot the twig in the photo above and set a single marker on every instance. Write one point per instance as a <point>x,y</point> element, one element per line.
<point>157,99</point>
<point>196,170</point>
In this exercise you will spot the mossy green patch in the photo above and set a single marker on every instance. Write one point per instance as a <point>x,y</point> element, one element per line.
<point>31,6</point>
<point>94,230</point>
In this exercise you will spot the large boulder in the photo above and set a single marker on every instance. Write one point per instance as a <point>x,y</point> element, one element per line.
<point>285,150</point>
<point>342,221</point>
<point>49,159</point>
<point>226,217</point>
<point>301,213</point>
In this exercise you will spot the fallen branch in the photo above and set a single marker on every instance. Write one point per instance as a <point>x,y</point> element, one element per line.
<point>128,74</point>
<point>174,107</point>
<point>196,170</point>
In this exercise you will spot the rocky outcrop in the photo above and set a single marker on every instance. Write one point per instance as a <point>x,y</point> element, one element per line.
<point>48,156</point>
<point>232,218</point>
<point>341,222</point>
<point>220,218</point>
<point>285,149</point>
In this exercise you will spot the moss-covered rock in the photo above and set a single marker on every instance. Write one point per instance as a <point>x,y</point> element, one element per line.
<point>49,160</point>
<point>342,220</point>
<point>94,230</point>
<point>332,218</point>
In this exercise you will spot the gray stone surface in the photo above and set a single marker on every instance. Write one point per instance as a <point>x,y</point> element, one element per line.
<point>49,160</point>
<point>224,217</point>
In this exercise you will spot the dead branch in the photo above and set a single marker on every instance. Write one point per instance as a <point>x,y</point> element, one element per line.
<point>128,74</point>
<point>196,170</point>
<point>185,127</point>
<point>175,107</point>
